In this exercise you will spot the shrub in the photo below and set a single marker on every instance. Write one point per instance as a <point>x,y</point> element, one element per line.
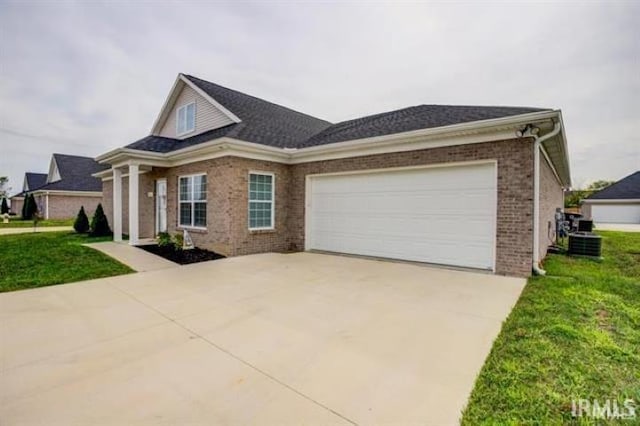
<point>99,224</point>
<point>81,225</point>
<point>178,241</point>
<point>23,212</point>
<point>164,239</point>
<point>30,207</point>
<point>5,207</point>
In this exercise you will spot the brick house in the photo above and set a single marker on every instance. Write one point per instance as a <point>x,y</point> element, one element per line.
<point>31,180</point>
<point>69,185</point>
<point>462,186</point>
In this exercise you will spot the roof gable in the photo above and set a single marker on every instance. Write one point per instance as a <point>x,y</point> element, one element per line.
<point>75,174</point>
<point>209,113</point>
<point>627,188</point>
<point>33,181</point>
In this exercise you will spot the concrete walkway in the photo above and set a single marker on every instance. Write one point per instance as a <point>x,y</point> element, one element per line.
<point>622,227</point>
<point>268,339</point>
<point>11,231</point>
<point>135,258</point>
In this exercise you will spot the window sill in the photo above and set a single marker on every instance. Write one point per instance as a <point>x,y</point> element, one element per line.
<point>192,229</point>
<point>262,231</point>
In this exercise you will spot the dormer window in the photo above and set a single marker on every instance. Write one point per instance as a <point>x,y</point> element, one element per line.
<point>186,119</point>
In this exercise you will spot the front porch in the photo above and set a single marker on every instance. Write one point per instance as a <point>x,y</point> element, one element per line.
<point>138,203</point>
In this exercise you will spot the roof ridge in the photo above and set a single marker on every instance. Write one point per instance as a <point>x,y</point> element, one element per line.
<point>192,77</point>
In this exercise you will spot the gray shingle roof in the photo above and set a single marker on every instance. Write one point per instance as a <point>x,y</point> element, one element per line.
<point>35,180</point>
<point>408,119</point>
<point>75,174</point>
<point>627,188</point>
<point>273,125</point>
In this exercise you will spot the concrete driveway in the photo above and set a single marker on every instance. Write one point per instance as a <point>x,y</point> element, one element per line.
<point>266,339</point>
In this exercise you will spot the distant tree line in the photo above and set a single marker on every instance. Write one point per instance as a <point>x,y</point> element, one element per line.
<point>574,198</point>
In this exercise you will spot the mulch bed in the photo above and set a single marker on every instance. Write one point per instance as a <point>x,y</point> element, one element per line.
<point>183,257</point>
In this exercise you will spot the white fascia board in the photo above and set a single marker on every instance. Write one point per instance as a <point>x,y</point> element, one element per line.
<point>458,134</point>
<point>69,193</point>
<point>168,101</point>
<point>215,103</point>
<point>54,171</point>
<point>612,201</point>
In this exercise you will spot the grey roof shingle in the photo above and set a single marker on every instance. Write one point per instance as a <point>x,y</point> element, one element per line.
<point>273,125</point>
<point>408,119</point>
<point>627,188</point>
<point>35,180</point>
<point>75,174</point>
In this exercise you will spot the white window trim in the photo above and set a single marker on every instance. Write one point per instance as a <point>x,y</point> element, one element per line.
<point>192,202</point>
<point>184,107</point>
<point>273,201</point>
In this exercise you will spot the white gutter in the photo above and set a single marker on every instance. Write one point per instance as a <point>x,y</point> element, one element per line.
<point>537,145</point>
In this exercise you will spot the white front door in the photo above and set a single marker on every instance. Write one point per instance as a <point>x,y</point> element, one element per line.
<point>444,215</point>
<point>161,206</point>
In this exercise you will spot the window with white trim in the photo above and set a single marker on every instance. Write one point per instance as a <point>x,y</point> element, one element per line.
<point>192,210</point>
<point>261,196</point>
<point>186,119</point>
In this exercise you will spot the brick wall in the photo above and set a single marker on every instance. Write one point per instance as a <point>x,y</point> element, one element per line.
<point>515,192</point>
<point>16,206</point>
<point>227,205</point>
<point>227,199</point>
<point>551,197</point>
<point>67,206</point>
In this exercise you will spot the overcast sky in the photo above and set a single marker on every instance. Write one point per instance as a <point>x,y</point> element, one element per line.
<point>86,78</point>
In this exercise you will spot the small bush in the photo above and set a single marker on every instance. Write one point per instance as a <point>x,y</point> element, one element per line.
<point>81,225</point>
<point>29,208</point>
<point>178,241</point>
<point>23,212</point>
<point>4,208</point>
<point>99,224</point>
<point>164,239</point>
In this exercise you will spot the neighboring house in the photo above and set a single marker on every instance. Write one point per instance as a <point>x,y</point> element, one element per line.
<point>32,181</point>
<point>617,203</point>
<point>69,185</point>
<point>467,186</point>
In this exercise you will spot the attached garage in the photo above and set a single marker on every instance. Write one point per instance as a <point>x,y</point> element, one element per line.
<point>436,214</point>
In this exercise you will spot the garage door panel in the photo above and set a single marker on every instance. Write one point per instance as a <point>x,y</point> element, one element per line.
<point>441,251</point>
<point>424,227</point>
<point>438,215</point>
<point>621,213</point>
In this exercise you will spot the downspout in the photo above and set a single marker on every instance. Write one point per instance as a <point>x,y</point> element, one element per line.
<point>537,144</point>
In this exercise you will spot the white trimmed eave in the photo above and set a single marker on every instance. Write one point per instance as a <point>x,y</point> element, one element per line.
<point>612,201</point>
<point>69,193</point>
<point>458,134</point>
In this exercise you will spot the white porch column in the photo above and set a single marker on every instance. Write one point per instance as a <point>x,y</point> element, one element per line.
<point>133,204</point>
<point>117,205</point>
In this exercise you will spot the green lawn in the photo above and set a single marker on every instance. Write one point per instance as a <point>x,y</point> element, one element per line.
<point>19,223</point>
<point>41,259</point>
<point>574,334</point>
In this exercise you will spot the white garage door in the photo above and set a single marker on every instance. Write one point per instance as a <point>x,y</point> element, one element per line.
<point>444,215</point>
<point>615,213</point>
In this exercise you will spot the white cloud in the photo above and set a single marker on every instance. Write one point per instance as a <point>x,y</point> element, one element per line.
<point>87,77</point>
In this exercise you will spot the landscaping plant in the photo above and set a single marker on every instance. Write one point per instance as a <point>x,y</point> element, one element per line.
<point>164,239</point>
<point>81,225</point>
<point>29,207</point>
<point>4,208</point>
<point>99,223</point>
